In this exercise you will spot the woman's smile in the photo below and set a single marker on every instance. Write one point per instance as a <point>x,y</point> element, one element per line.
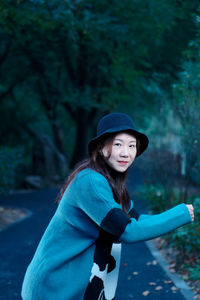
<point>123,162</point>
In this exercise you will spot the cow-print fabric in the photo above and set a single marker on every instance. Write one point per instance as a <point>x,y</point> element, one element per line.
<point>104,273</point>
<point>104,263</point>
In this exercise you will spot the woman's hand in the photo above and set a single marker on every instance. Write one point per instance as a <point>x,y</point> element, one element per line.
<point>191,210</point>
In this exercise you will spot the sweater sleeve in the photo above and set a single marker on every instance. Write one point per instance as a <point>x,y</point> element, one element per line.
<point>147,228</point>
<point>144,216</point>
<point>97,202</point>
<point>133,213</point>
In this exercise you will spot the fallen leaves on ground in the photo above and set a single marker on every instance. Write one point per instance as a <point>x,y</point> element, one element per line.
<point>172,255</point>
<point>171,267</point>
<point>153,263</point>
<point>146,293</point>
<point>135,273</point>
<point>152,283</point>
<point>172,271</point>
<point>174,288</point>
<point>167,281</point>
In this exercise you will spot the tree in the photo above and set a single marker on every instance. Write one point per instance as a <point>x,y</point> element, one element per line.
<point>81,59</point>
<point>186,99</point>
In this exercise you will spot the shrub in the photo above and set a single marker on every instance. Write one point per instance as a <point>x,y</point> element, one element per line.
<point>156,196</point>
<point>159,197</point>
<point>187,238</point>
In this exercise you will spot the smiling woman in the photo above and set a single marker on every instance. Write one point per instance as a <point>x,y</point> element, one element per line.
<point>78,256</point>
<point>121,152</point>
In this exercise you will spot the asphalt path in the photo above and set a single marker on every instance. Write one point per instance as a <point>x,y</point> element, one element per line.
<point>141,276</point>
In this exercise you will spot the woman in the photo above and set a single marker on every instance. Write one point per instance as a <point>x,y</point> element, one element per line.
<point>78,256</point>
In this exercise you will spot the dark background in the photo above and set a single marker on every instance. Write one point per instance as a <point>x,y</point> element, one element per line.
<point>64,64</point>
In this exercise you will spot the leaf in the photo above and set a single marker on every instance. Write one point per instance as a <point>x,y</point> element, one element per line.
<point>174,288</point>
<point>185,277</point>
<point>146,293</point>
<point>172,271</point>
<point>135,273</point>
<point>167,281</point>
<point>154,263</point>
<point>172,265</point>
<point>152,283</point>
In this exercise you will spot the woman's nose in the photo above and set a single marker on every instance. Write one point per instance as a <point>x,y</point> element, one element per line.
<point>124,152</point>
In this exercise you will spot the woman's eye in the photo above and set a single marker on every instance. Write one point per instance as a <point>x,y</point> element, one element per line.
<point>117,144</point>
<point>132,146</point>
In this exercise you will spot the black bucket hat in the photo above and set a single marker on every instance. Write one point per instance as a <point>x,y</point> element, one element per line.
<point>117,122</point>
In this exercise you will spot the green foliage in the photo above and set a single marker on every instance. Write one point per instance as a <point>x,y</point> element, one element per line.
<point>159,197</point>
<point>160,168</point>
<point>156,195</point>
<point>186,107</point>
<point>187,238</point>
<point>10,159</point>
<point>194,272</point>
<point>110,45</point>
<point>86,58</point>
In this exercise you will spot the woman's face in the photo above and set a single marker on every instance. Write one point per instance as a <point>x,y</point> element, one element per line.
<point>121,153</point>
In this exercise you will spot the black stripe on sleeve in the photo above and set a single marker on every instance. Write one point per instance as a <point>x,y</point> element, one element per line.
<point>115,222</point>
<point>134,214</point>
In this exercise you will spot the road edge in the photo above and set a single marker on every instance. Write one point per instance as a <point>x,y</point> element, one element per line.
<point>178,282</point>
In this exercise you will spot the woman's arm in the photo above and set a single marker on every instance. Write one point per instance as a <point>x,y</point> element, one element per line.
<point>134,213</point>
<point>147,228</point>
<point>97,202</point>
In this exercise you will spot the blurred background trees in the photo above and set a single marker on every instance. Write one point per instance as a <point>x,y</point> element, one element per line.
<point>63,64</point>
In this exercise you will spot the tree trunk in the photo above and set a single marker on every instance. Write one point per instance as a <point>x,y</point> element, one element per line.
<point>59,138</point>
<point>80,145</point>
<point>48,161</point>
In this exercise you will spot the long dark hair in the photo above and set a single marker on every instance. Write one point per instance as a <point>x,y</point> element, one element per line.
<point>97,162</point>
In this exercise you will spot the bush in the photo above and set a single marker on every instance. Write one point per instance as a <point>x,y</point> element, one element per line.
<point>159,197</point>
<point>10,158</point>
<point>186,106</point>
<point>156,196</point>
<point>187,238</point>
<point>161,165</point>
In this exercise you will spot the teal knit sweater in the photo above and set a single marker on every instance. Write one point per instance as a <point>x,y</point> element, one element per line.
<point>79,254</point>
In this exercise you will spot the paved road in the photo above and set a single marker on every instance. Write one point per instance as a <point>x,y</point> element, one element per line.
<point>140,277</point>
